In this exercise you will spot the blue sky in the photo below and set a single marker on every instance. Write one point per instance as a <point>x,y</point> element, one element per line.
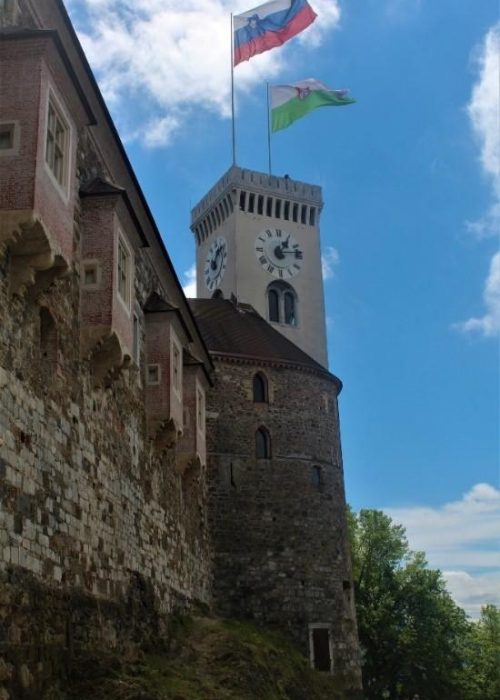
<point>410,228</point>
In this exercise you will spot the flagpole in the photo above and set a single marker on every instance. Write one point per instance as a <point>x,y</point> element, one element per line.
<point>232,93</point>
<point>268,130</point>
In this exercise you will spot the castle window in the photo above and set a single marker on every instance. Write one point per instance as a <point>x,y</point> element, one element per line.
<point>9,138</point>
<point>274,305</point>
<point>295,212</point>
<point>176,367</point>
<point>312,216</point>
<point>289,308</point>
<point>277,209</point>
<point>251,202</point>
<point>262,444</point>
<point>200,409</point>
<point>243,196</point>
<point>303,214</point>
<point>321,647</point>
<point>136,350</point>
<point>57,144</point>
<point>286,213</point>
<point>260,204</point>
<point>123,271</point>
<point>282,303</point>
<point>269,206</point>
<point>316,477</point>
<point>260,393</point>
<point>153,374</point>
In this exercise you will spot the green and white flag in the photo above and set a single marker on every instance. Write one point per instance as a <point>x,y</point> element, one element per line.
<point>290,102</point>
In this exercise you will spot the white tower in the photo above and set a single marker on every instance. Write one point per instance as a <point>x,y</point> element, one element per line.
<point>257,238</point>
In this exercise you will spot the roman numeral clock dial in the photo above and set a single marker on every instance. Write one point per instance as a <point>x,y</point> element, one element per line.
<point>279,253</point>
<point>215,263</point>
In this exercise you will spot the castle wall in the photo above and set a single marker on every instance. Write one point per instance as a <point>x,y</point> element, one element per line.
<point>279,524</point>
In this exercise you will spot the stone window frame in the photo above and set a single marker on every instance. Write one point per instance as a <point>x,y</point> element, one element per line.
<point>91,264</point>
<point>62,117</point>
<point>122,243</point>
<point>176,364</point>
<point>157,368</point>
<point>15,131</point>
<point>320,625</point>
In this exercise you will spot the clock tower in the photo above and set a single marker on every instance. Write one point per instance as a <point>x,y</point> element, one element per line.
<point>257,238</point>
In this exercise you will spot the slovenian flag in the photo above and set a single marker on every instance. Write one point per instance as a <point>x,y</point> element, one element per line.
<point>291,102</point>
<point>268,26</point>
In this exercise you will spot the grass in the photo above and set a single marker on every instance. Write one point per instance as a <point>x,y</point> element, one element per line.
<point>210,659</point>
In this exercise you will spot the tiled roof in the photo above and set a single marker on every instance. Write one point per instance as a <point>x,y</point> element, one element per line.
<point>238,330</point>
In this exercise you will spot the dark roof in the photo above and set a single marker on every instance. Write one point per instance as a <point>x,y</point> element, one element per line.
<point>237,330</point>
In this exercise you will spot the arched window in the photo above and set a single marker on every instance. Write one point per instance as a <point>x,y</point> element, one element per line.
<point>282,303</point>
<point>262,444</point>
<point>260,388</point>
<point>274,305</point>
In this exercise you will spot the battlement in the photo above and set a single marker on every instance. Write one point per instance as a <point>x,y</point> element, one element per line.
<point>262,183</point>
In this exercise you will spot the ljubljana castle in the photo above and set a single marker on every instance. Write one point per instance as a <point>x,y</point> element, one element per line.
<point>156,452</point>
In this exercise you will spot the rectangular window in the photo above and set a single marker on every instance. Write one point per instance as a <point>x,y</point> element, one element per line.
<point>243,196</point>
<point>312,216</point>
<point>251,202</point>
<point>269,206</point>
<point>153,375</point>
<point>57,144</point>
<point>200,409</point>
<point>303,214</point>
<point>260,204</point>
<point>295,212</point>
<point>137,341</point>
<point>176,367</point>
<point>7,136</point>
<point>320,643</point>
<point>277,211</point>
<point>123,272</point>
<point>286,213</point>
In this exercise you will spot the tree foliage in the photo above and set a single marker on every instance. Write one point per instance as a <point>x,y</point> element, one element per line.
<point>415,641</point>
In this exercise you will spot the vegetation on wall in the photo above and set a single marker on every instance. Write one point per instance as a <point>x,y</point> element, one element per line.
<point>415,641</point>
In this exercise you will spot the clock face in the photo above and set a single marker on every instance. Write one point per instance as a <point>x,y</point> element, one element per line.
<point>279,253</point>
<point>215,263</point>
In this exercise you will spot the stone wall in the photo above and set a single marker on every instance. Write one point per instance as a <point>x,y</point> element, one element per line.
<point>279,524</point>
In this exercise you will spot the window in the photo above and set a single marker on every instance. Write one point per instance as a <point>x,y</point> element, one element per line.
<point>8,138</point>
<point>48,343</point>
<point>57,144</point>
<point>277,209</point>
<point>153,374</point>
<point>303,214</point>
<point>136,341</point>
<point>230,202</point>
<point>274,305</point>
<point>243,196</point>
<point>251,202</point>
<point>260,204</point>
<point>295,212</point>
<point>123,271</point>
<point>286,213</point>
<point>316,477</point>
<point>260,394</point>
<point>282,303</point>
<point>90,274</point>
<point>262,444</point>
<point>312,216</point>
<point>176,367</point>
<point>269,206</point>
<point>200,409</point>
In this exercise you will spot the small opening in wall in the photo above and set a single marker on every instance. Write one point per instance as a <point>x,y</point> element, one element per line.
<point>153,374</point>
<point>260,204</point>
<point>262,444</point>
<point>90,274</point>
<point>243,196</point>
<point>303,214</point>
<point>48,342</point>
<point>251,202</point>
<point>277,210</point>
<point>295,212</point>
<point>312,216</point>
<point>316,477</point>
<point>286,214</point>
<point>7,132</point>
<point>320,647</point>
<point>269,206</point>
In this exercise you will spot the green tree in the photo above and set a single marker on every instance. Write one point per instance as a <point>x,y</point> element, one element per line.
<point>483,656</point>
<point>413,636</point>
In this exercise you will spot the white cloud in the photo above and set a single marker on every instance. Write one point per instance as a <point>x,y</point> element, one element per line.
<point>172,58</point>
<point>484,113</point>
<point>329,260</point>
<point>489,324</point>
<point>189,283</point>
<point>462,539</point>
